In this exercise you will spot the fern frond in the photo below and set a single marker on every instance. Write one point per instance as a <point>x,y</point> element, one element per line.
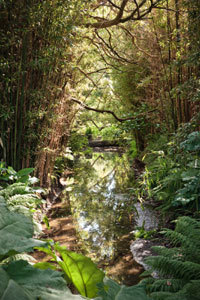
<point>189,292</point>
<point>169,296</point>
<point>168,252</point>
<point>167,285</point>
<point>180,264</point>
<point>187,236</point>
<point>192,223</point>
<point>192,290</point>
<point>14,189</point>
<point>174,268</point>
<point>162,296</point>
<point>188,227</point>
<point>28,200</point>
<point>175,237</point>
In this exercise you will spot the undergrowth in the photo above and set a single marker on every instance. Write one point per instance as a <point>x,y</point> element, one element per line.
<point>178,267</point>
<point>20,195</point>
<point>172,173</point>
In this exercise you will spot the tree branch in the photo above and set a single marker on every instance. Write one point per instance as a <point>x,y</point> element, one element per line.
<point>86,75</point>
<point>101,49</point>
<point>133,38</point>
<point>109,23</point>
<point>113,53</point>
<point>169,9</point>
<point>136,14</point>
<point>113,4</point>
<point>109,111</point>
<point>99,128</point>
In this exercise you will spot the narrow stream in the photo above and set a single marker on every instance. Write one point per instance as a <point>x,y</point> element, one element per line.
<point>103,207</point>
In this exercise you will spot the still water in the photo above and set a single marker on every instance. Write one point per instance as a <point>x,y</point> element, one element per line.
<point>102,203</point>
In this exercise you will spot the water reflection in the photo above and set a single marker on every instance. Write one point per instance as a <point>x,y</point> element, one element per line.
<point>101,203</point>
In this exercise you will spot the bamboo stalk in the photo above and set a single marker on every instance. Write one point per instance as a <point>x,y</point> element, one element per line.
<point>21,101</point>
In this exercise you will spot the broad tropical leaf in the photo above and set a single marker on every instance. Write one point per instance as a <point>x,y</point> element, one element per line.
<point>19,280</point>
<point>110,290</point>
<point>2,203</point>
<point>9,289</point>
<point>16,232</point>
<point>79,269</point>
<point>25,172</point>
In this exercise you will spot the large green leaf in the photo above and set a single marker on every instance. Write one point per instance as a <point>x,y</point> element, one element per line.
<point>80,270</point>
<point>2,204</point>
<point>9,289</point>
<point>110,290</point>
<point>25,172</point>
<point>16,232</point>
<point>20,281</point>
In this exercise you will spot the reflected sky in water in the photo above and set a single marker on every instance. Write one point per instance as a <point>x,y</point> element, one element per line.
<point>101,203</point>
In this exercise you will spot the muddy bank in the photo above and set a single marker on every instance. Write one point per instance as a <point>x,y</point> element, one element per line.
<point>61,229</point>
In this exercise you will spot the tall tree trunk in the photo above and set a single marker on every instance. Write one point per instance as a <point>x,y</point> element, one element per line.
<point>169,34</point>
<point>178,50</point>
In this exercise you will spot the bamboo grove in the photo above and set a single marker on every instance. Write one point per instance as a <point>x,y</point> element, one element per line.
<point>36,47</point>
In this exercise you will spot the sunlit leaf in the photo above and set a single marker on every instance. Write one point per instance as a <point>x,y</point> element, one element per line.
<point>79,269</point>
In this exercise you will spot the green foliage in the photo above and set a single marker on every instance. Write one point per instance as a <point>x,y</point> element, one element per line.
<point>20,280</point>
<point>190,193</point>
<point>126,81</point>
<point>78,142</point>
<point>6,174</point>
<point>110,290</point>
<point>23,199</point>
<point>9,175</point>
<point>78,269</point>
<point>63,162</point>
<point>178,267</point>
<point>111,132</point>
<point>132,149</point>
<point>88,133</point>
<point>192,143</point>
<point>172,174</point>
<point>140,232</point>
<point>16,232</point>
<point>16,189</point>
<point>36,55</point>
<point>22,175</point>
<point>138,123</point>
<point>20,197</point>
